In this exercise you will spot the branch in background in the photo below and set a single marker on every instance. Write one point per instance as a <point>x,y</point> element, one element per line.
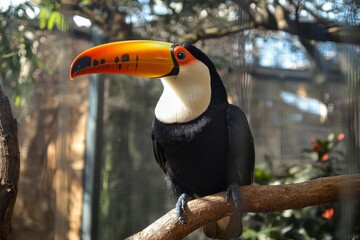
<point>321,30</point>
<point>258,15</point>
<point>111,22</point>
<point>9,165</point>
<point>72,9</point>
<point>254,198</point>
<point>214,32</point>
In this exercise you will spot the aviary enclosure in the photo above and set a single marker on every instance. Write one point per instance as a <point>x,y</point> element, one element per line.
<point>87,166</point>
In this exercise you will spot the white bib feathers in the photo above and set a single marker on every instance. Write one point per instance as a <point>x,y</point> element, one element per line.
<point>186,95</point>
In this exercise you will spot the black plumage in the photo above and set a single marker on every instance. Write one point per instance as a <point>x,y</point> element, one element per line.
<point>206,155</point>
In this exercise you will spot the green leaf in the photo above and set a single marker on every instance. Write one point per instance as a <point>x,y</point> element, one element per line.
<point>8,55</point>
<point>57,19</point>
<point>48,19</point>
<point>86,2</point>
<point>43,17</point>
<point>262,177</point>
<point>51,21</point>
<point>17,100</point>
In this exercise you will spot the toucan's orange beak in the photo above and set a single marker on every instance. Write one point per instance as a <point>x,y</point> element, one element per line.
<point>150,59</point>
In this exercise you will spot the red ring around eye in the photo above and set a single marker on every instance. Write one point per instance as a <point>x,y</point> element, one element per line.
<point>182,55</point>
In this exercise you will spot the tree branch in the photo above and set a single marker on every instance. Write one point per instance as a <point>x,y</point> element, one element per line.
<point>9,165</point>
<point>281,20</point>
<point>214,32</point>
<point>254,198</point>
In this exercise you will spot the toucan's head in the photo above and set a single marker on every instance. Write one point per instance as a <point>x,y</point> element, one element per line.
<point>191,82</point>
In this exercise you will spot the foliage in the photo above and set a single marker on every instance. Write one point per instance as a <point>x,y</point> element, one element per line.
<point>22,60</point>
<point>50,17</point>
<point>317,222</point>
<point>17,50</point>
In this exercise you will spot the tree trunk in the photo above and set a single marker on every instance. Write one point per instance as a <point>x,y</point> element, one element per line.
<point>9,165</point>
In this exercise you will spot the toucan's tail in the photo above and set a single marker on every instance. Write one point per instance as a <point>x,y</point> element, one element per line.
<point>225,228</point>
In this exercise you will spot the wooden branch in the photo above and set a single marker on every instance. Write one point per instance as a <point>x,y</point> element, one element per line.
<point>254,198</point>
<point>214,32</point>
<point>9,165</point>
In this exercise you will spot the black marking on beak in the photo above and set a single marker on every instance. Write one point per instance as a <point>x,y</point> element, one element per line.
<point>81,63</point>
<point>117,60</point>
<point>137,60</point>
<point>125,58</point>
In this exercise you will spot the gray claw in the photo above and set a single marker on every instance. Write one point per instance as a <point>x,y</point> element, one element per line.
<point>181,207</point>
<point>233,192</point>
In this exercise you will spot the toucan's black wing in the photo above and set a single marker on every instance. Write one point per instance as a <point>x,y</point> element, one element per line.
<point>241,146</point>
<point>158,153</point>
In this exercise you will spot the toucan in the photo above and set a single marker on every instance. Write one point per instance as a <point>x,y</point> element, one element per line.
<point>202,143</point>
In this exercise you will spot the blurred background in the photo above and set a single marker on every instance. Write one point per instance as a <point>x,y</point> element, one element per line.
<point>87,167</point>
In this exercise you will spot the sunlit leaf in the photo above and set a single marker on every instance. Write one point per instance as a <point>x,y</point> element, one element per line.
<point>43,17</point>
<point>51,21</point>
<point>17,100</point>
<point>262,177</point>
<point>331,137</point>
<point>86,2</point>
<point>48,19</point>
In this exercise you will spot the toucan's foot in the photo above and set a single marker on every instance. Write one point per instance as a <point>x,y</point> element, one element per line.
<point>181,207</point>
<point>233,192</point>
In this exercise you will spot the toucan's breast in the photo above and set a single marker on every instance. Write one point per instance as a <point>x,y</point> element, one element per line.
<point>196,152</point>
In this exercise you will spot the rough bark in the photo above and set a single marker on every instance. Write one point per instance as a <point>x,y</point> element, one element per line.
<point>9,165</point>
<point>254,198</point>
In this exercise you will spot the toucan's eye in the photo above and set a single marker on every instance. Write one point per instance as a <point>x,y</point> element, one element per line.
<point>181,55</point>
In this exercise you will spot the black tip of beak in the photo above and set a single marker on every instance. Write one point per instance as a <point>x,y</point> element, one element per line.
<point>81,63</point>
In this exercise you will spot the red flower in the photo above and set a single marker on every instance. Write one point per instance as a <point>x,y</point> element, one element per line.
<point>324,157</point>
<point>341,136</point>
<point>328,213</point>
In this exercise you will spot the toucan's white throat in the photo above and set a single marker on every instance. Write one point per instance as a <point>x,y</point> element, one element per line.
<point>186,95</point>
